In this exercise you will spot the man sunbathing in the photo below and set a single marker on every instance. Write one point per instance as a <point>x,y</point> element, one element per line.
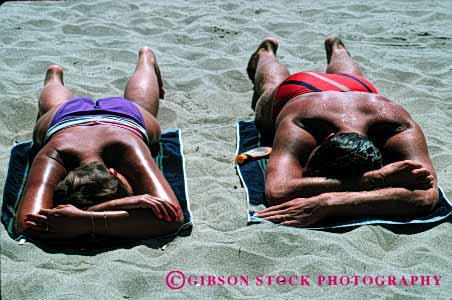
<point>94,173</point>
<point>340,150</point>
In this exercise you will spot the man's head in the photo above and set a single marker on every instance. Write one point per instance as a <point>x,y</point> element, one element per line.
<point>90,184</point>
<point>344,155</point>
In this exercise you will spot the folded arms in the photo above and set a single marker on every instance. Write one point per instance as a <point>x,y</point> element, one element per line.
<point>154,212</point>
<point>404,187</point>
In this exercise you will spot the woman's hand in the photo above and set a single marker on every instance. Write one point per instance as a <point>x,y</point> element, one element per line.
<point>297,212</point>
<point>64,220</point>
<point>163,209</point>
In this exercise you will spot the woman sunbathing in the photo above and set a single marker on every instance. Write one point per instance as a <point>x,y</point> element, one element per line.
<point>94,174</point>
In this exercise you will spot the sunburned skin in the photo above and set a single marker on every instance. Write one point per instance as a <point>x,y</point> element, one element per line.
<point>151,210</point>
<point>371,115</point>
<point>406,185</point>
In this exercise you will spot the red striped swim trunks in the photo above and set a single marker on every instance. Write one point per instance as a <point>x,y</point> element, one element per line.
<point>316,82</point>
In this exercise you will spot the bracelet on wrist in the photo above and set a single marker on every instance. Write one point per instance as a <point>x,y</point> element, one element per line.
<point>93,235</point>
<point>105,223</point>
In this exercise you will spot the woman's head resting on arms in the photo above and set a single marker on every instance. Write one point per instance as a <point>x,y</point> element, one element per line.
<point>91,184</point>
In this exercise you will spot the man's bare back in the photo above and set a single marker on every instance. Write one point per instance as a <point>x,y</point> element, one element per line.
<point>367,114</point>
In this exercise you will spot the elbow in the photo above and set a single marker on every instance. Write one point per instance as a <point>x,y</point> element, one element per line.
<point>169,229</point>
<point>426,201</point>
<point>19,226</point>
<point>20,229</point>
<point>275,195</point>
<point>181,220</point>
<point>150,225</point>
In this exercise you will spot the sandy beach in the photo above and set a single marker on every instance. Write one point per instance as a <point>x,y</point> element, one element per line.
<point>203,48</point>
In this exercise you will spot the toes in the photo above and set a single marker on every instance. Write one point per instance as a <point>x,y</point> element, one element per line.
<point>329,40</point>
<point>269,44</point>
<point>333,40</point>
<point>55,69</point>
<point>54,72</point>
<point>145,51</point>
<point>332,43</point>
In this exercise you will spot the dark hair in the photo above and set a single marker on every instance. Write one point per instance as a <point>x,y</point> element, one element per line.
<point>344,155</point>
<point>87,185</point>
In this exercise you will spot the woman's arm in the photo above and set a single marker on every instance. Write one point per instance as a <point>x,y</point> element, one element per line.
<point>66,222</point>
<point>152,211</point>
<point>45,173</point>
<point>141,171</point>
<point>162,209</point>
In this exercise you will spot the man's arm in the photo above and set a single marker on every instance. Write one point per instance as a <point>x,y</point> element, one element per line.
<point>410,144</point>
<point>410,167</point>
<point>406,146</point>
<point>389,202</point>
<point>284,178</point>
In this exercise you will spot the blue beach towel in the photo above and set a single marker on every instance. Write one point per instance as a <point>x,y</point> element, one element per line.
<point>170,160</point>
<point>252,176</point>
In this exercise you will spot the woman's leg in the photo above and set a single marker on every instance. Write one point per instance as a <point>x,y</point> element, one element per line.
<point>54,92</point>
<point>145,87</point>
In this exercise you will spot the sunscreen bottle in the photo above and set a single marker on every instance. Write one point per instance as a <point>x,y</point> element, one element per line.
<point>253,154</point>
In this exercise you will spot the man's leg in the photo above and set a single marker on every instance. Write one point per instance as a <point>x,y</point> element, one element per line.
<point>145,87</point>
<point>338,58</point>
<point>266,73</point>
<point>54,92</point>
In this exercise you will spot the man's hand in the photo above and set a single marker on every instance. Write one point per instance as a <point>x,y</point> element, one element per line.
<point>297,212</point>
<point>405,173</point>
<point>163,209</point>
<point>63,220</point>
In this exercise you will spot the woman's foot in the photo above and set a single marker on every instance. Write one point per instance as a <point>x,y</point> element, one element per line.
<point>146,55</point>
<point>54,73</point>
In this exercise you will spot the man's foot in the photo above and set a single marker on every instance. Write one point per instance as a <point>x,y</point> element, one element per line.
<point>54,73</point>
<point>269,44</point>
<point>334,43</point>
<point>146,55</point>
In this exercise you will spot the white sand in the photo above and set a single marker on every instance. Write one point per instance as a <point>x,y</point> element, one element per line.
<point>203,48</point>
